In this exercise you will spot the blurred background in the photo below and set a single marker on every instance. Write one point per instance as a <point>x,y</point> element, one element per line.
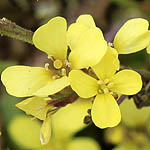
<point>17,130</point>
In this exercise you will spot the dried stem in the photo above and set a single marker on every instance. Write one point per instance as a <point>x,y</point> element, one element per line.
<point>10,29</point>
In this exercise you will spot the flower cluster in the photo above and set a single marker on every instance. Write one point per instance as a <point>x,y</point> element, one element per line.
<point>80,58</point>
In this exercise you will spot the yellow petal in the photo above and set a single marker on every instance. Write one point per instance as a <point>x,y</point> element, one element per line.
<point>86,20</point>
<point>53,87</point>
<point>51,38</point>
<point>84,85</point>
<point>132,116</point>
<point>126,82</point>
<point>83,143</point>
<point>69,119</point>
<point>133,36</point>
<point>22,81</point>
<point>108,64</point>
<point>25,132</point>
<point>105,111</point>
<point>45,132</point>
<point>35,106</point>
<point>75,30</point>
<point>90,49</point>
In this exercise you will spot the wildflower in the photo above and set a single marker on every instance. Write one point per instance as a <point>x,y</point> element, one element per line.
<point>23,81</point>
<point>105,110</point>
<point>132,37</point>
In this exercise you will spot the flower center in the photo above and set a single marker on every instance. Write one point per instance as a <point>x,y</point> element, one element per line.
<point>105,86</point>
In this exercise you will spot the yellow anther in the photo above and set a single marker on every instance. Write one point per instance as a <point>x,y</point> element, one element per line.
<point>110,85</point>
<point>47,66</point>
<point>106,81</point>
<point>57,64</point>
<point>67,63</point>
<point>47,99</point>
<point>110,44</point>
<point>106,90</point>
<point>100,82</point>
<point>100,91</point>
<point>55,77</point>
<point>63,72</point>
<point>51,57</point>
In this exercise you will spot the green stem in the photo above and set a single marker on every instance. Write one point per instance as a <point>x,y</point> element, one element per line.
<point>10,29</point>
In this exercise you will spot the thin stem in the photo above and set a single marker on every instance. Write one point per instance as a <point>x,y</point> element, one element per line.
<point>121,99</point>
<point>10,29</point>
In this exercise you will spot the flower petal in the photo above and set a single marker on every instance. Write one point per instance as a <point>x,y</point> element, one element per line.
<point>24,131</point>
<point>126,82</point>
<point>45,132</point>
<point>75,30</point>
<point>83,143</point>
<point>133,36</point>
<point>90,49</point>
<point>53,87</point>
<point>84,85</point>
<point>132,116</point>
<point>22,81</point>
<point>51,38</point>
<point>35,106</point>
<point>69,119</point>
<point>105,111</point>
<point>108,64</point>
<point>86,20</point>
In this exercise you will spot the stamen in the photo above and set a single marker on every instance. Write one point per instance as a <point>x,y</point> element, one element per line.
<point>100,82</point>
<point>57,64</point>
<point>47,66</point>
<point>63,72</point>
<point>47,99</point>
<point>110,44</point>
<point>100,91</point>
<point>51,57</point>
<point>106,81</point>
<point>110,85</point>
<point>55,77</point>
<point>67,63</point>
<point>106,90</point>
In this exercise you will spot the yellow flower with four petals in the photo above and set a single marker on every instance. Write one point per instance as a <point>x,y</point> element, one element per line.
<point>105,110</point>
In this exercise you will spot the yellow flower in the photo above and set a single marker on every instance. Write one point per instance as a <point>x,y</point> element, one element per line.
<point>133,36</point>
<point>39,107</point>
<point>22,81</point>
<point>86,41</point>
<point>52,38</point>
<point>105,110</point>
<point>65,124</point>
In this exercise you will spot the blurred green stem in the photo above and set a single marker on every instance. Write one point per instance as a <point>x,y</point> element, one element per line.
<point>10,29</point>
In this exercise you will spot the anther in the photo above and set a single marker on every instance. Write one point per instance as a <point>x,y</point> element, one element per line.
<point>100,82</point>
<point>57,64</point>
<point>67,63</point>
<point>100,91</point>
<point>51,57</point>
<point>63,72</point>
<point>110,85</point>
<point>47,66</point>
<point>55,77</point>
<point>47,99</point>
<point>106,81</point>
<point>106,90</point>
<point>110,44</point>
